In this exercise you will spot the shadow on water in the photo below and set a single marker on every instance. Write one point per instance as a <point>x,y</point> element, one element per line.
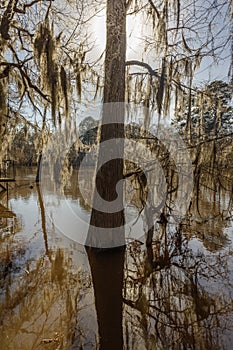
<point>173,294</point>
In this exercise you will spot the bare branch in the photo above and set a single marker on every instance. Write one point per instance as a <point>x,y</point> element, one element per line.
<point>7,18</point>
<point>26,79</point>
<point>216,138</point>
<point>25,6</point>
<point>154,8</point>
<point>31,85</point>
<point>144,65</point>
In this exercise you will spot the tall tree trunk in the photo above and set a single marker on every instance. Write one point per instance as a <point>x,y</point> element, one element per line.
<point>112,129</point>
<point>107,229</point>
<point>38,168</point>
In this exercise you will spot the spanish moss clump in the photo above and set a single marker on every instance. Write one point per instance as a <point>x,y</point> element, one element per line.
<point>80,69</point>
<point>3,107</point>
<point>53,76</point>
<point>4,139</point>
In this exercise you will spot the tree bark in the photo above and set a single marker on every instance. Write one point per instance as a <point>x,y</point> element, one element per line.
<point>107,229</point>
<point>112,128</point>
<point>38,168</point>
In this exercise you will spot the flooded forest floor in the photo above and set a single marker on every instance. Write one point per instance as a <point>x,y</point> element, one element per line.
<point>176,293</point>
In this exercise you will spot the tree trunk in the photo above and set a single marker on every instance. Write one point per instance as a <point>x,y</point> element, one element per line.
<point>38,168</point>
<point>112,129</point>
<point>107,229</point>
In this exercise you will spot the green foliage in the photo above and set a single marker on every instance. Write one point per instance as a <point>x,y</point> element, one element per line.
<point>211,111</point>
<point>23,148</point>
<point>88,130</point>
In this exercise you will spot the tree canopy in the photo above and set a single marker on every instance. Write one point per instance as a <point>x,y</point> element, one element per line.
<point>49,68</point>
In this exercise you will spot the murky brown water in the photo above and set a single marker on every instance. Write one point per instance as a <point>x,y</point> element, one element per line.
<point>177,294</point>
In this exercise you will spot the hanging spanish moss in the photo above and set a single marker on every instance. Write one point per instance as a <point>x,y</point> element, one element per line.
<point>53,76</point>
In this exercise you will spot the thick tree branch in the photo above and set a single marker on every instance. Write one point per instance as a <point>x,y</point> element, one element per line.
<point>154,73</point>
<point>144,65</point>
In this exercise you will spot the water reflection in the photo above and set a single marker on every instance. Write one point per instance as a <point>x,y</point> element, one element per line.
<point>178,300</point>
<point>44,282</point>
<point>174,294</point>
<point>107,275</point>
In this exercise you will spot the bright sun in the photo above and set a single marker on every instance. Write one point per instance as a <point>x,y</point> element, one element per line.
<point>134,33</point>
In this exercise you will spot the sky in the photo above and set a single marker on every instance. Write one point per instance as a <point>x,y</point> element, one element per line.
<point>137,30</point>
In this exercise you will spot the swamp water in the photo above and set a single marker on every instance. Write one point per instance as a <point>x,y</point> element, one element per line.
<point>55,294</point>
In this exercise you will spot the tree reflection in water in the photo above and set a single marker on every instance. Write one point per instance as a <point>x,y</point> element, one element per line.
<point>177,299</point>
<point>176,292</point>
